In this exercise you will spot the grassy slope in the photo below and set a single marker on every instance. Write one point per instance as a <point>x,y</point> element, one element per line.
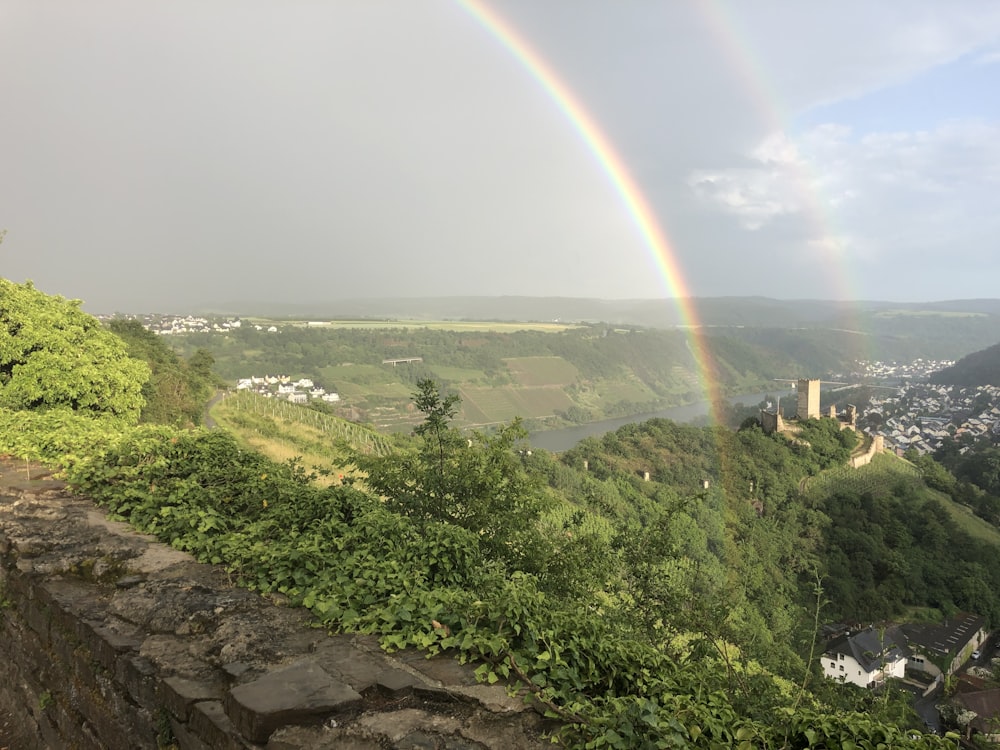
<point>887,471</point>
<point>283,431</point>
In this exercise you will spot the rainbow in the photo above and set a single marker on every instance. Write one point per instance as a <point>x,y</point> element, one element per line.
<point>635,203</point>
<point>736,48</point>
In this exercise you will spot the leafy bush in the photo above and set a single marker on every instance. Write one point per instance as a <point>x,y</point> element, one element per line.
<point>53,355</point>
<point>57,435</point>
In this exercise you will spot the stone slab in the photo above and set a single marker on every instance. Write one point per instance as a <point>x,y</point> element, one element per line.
<point>302,693</point>
<point>178,695</point>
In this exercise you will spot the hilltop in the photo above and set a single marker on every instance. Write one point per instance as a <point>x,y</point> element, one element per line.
<point>975,369</point>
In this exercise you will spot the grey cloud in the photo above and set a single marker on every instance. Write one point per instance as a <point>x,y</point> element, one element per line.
<point>168,154</point>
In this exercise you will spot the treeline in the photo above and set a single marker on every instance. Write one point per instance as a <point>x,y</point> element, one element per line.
<point>596,352</point>
<point>177,388</point>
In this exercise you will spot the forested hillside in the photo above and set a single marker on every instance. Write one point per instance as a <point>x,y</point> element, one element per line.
<point>978,368</point>
<point>583,373</point>
<point>885,544</point>
<point>940,330</point>
<point>177,389</point>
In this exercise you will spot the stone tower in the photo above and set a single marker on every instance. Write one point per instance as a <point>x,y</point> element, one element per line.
<point>808,393</point>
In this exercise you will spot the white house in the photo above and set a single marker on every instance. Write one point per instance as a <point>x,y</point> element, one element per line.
<point>866,658</point>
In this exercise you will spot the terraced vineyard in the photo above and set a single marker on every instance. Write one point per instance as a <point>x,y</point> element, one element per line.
<point>887,473</point>
<point>491,405</point>
<point>534,371</point>
<point>282,430</point>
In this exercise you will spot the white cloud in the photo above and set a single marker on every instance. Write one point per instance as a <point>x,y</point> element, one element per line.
<point>877,196</point>
<point>989,58</point>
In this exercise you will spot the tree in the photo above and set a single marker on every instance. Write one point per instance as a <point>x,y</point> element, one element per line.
<point>475,481</point>
<point>439,438</point>
<point>176,391</point>
<point>53,355</point>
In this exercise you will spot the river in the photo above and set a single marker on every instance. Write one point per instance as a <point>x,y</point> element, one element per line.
<point>565,438</point>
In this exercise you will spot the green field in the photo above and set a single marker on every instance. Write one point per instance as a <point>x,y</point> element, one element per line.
<point>603,393</point>
<point>531,371</point>
<point>490,405</point>
<point>458,374</point>
<point>366,375</point>
<point>283,431</point>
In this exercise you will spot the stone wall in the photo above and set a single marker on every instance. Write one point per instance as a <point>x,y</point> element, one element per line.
<point>109,639</point>
<point>877,446</point>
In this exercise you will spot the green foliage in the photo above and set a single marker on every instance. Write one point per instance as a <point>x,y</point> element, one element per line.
<point>828,445</point>
<point>57,435</point>
<point>474,482</point>
<point>176,390</point>
<point>895,545</point>
<point>433,584</point>
<point>53,355</point>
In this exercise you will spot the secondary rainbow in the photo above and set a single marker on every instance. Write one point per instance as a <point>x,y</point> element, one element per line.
<point>735,46</point>
<point>634,201</point>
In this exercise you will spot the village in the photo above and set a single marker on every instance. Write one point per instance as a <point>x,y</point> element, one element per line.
<point>300,391</point>
<point>922,416</point>
<point>168,325</point>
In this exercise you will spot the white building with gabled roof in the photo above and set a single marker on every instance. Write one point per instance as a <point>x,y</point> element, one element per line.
<point>867,658</point>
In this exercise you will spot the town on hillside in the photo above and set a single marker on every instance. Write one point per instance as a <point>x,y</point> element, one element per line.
<point>916,414</point>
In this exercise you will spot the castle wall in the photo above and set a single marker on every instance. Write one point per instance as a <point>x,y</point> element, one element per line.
<point>877,446</point>
<point>771,422</point>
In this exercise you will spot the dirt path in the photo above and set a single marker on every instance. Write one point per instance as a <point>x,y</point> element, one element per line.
<point>207,418</point>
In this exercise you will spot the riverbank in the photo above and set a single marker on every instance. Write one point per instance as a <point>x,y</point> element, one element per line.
<point>565,438</point>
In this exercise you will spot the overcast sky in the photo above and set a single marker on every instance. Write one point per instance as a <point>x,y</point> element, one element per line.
<point>167,155</point>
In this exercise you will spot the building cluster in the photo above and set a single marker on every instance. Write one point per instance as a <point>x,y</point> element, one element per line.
<point>917,415</point>
<point>173,324</point>
<point>869,656</point>
<point>922,416</point>
<point>888,371</point>
<point>924,654</point>
<point>300,391</point>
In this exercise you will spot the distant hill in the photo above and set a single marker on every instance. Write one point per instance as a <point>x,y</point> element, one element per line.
<point>943,329</point>
<point>978,368</point>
